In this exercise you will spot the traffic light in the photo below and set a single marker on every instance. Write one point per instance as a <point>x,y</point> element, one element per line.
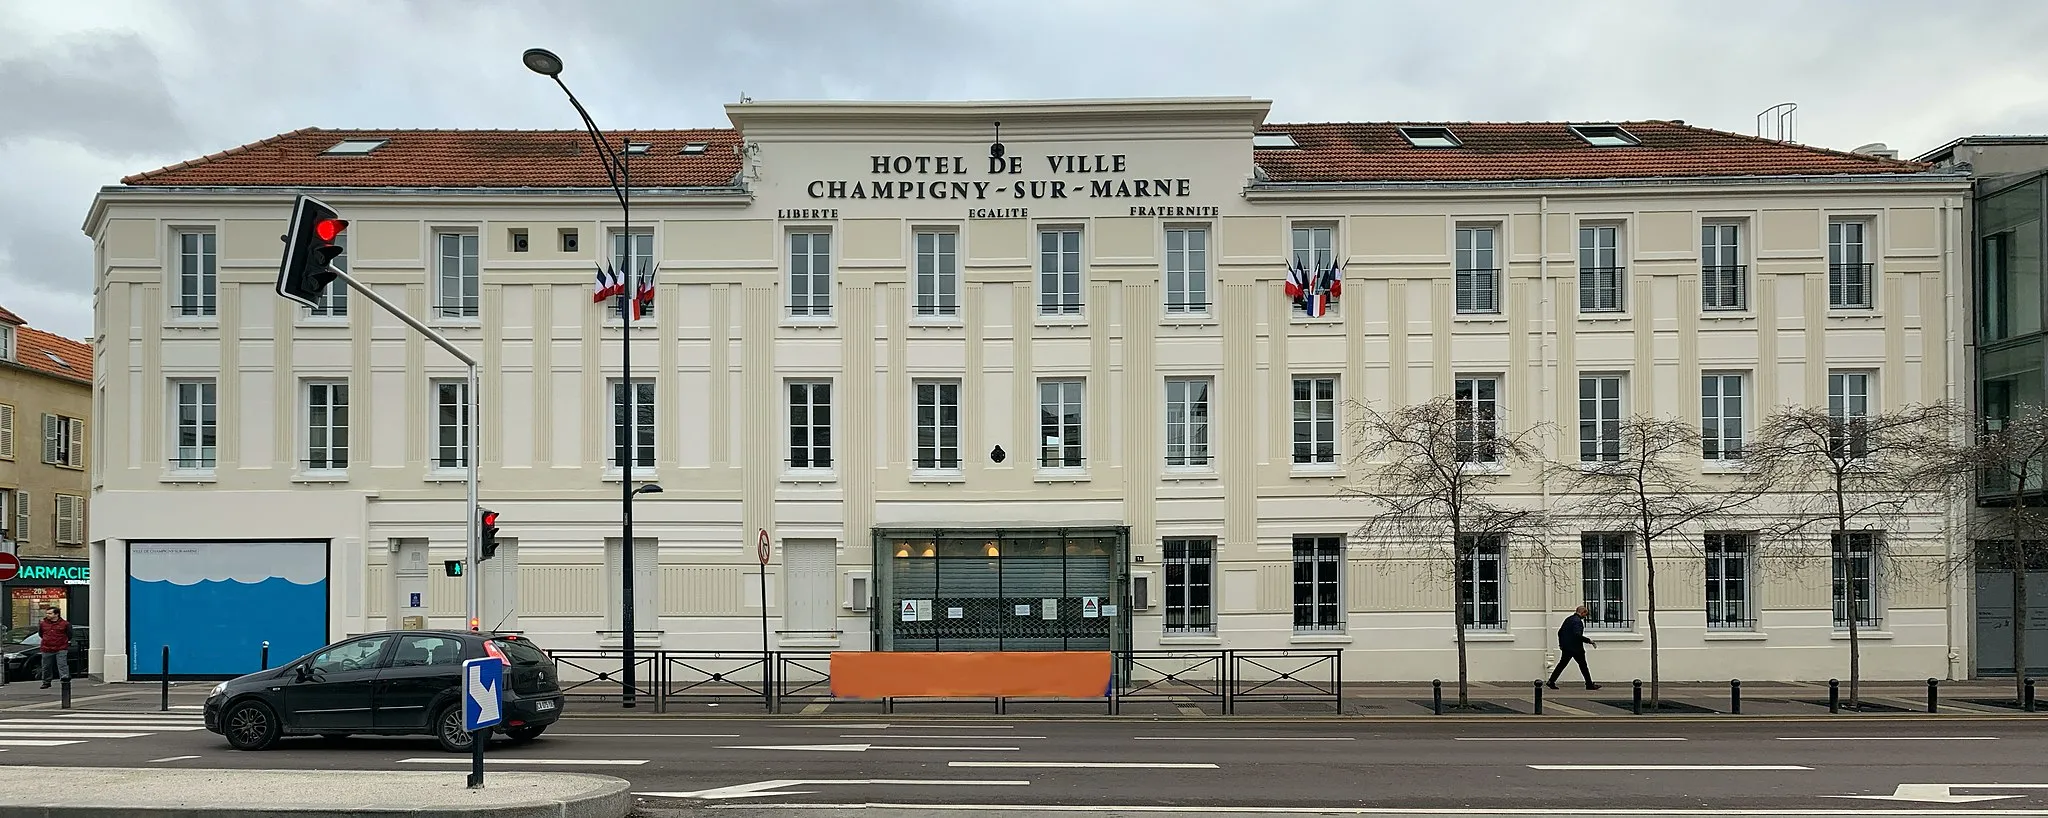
<point>489,532</point>
<point>308,250</point>
<point>453,567</point>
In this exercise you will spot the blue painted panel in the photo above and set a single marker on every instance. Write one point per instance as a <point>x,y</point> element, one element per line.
<point>215,604</point>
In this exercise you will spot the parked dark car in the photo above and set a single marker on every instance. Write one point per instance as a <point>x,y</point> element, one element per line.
<point>393,683</point>
<point>25,655</point>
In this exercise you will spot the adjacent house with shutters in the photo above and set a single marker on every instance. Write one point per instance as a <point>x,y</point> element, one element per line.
<point>45,401</point>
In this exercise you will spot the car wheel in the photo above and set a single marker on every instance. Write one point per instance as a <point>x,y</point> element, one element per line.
<point>250,725</point>
<point>448,730</point>
<point>526,734</point>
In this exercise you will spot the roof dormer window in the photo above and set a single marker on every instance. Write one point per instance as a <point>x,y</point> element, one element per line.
<point>1606,136</point>
<point>1431,137</point>
<point>6,343</point>
<point>355,147</point>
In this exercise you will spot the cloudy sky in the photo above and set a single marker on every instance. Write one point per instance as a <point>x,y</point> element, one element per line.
<point>92,90</point>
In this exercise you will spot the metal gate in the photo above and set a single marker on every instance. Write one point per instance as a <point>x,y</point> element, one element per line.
<point>1001,590</point>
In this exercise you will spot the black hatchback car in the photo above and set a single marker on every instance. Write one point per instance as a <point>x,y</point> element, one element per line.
<point>394,683</point>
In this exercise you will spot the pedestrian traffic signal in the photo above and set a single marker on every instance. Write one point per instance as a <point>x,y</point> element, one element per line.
<point>309,249</point>
<point>453,567</point>
<point>489,520</point>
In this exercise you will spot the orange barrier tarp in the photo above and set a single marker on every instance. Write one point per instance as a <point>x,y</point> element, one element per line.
<point>879,675</point>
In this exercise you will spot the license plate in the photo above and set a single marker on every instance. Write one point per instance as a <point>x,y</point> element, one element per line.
<point>544,706</point>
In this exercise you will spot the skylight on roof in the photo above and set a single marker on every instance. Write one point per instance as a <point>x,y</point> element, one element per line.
<point>355,147</point>
<point>638,148</point>
<point>1606,136</point>
<point>1431,137</point>
<point>1273,140</point>
<point>55,360</point>
<point>695,148</point>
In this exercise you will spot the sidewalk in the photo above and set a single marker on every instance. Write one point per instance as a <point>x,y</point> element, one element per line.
<point>113,791</point>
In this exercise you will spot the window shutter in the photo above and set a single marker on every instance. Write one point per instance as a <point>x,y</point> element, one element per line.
<point>22,504</point>
<point>6,432</point>
<point>77,443</point>
<point>64,524</point>
<point>49,438</point>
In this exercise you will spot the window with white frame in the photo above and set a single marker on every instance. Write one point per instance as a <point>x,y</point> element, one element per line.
<point>6,438</point>
<point>1190,579</point>
<point>63,441</point>
<point>1728,572</point>
<point>633,422</point>
<point>633,258</point>
<point>451,424</point>
<point>1059,272</point>
<point>810,424</point>
<point>198,274</point>
<point>1059,424</point>
<point>7,503</point>
<point>1721,416</point>
<point>6,343</point>
<point>1855,568</point>
<point>1601,274</point>
<point>24,515</point>
<point>1849,410</point>
<point>1477,399</point>
<point>810,274</point>
<point>70,519</point>
<point>457,277</point>
<point>1603,578</point>
<point>1724,279</point>
<point>1482,581</point>
<point>1599,418</point>
<point>1187,270</point>
<point>1849,268</point>
<point>334,300</point>
<point>1315,248</point>
<point>1318,583</point>
<point>1187,422</point>
<point>326,425</point>
<point>1315,421</point>
<point>938,273</point>
<point>938,424</point>
<point>195,439</point>
<point>1478,273</point>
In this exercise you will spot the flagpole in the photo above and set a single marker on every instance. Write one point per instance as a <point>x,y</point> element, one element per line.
<point>632,394</point>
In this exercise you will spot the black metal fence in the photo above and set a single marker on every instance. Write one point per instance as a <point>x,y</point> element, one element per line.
<point>776,680</point>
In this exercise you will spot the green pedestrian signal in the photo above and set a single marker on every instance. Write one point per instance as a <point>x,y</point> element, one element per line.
<point>454,567</point>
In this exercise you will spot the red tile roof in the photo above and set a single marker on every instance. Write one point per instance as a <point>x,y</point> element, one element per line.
<point>9,317</point>
<point>493,159</point>
<point>53,355</point>
<point>1327,152</point>
<point>1501,151</point>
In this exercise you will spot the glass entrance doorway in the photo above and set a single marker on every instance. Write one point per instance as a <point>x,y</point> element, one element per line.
<point>1001,590</point>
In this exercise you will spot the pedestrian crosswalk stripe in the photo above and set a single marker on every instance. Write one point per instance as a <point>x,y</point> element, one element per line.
<point>35,743</point>
<point>46,724</point>
<point>148,716</point>
<point>66,734</point>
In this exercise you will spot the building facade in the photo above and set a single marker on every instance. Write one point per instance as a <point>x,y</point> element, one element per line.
<point>45,423</point>
<point>1014,376</point>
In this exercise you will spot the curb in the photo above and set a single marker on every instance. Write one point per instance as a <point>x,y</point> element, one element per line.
<point>601,797</point>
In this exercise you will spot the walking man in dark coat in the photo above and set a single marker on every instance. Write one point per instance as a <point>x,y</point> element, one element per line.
<point>1571,645</point>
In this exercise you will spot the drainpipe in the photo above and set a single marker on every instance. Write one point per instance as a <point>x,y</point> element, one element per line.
<point>1950,220</point>
<point>1549,378</point>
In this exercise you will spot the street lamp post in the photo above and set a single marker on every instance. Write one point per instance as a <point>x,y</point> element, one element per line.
<point>618,171</point>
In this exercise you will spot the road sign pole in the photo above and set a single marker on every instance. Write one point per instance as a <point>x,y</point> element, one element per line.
<point>767,662</point>
<point>483,686</point>
<point>476,760</point>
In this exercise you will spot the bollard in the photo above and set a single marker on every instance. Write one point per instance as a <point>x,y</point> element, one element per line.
<point>265,664</point>
<point>2029,701</point>
<point>1537,687</point>
<point>64,690</point>
<point>1834,695</point>
<point>167,679</point>
<point>1933,693</point>
<point>1637,706</point>
<point>1735,696</point>
<point>1437,687</point>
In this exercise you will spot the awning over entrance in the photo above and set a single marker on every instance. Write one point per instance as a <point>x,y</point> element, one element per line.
<point>1007,589</point>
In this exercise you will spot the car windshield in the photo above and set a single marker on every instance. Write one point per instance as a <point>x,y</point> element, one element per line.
<point>34,639</point>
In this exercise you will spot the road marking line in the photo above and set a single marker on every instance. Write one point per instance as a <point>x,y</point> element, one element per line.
<point>67,734</point>
<point>1547,812</point>
<point>188,707</point>
<point>1244,738</point>
<point>131,714</point>
<point>172,758</point>
<point>1571,738</point>
<point>759,789</point>
<point>22,742</point>
<point>813,708</point>
<point>1083,764</point>
<point>501,759</point>
<point>951,749</point>
<point>1667,767</point>
<point>645,735</point>
<point>899,735</point>
<point>40,724</point>
<point>1887,738</point>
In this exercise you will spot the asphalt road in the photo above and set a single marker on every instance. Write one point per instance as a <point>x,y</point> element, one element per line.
<point>1465,768</point>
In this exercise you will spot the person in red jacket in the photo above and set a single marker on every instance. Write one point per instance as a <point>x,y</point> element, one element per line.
<point>56,646</point>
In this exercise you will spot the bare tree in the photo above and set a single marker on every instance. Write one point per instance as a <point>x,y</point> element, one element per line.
<point>1431,471</point>
<point>1650,491</point>
<point>1857,473</point>
<point>2009,459</point>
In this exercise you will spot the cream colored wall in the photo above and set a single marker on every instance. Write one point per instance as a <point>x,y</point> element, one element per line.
<point>30,394</point>
<point>723,344</point>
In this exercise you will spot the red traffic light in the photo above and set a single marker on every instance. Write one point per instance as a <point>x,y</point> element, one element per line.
<point>328,229</point>
<point>490,518</point>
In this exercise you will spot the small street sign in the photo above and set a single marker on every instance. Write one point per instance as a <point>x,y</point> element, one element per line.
<point>483,682</point>
<point>10,566</point>
<point>764,546</point>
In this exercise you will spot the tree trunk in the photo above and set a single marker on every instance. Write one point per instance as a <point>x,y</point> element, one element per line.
<point>2019,624</point>
<point>1458,606</point>
<point>1650,570</point>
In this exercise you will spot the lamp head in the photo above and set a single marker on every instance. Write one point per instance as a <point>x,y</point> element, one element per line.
<point>542,61</point>
<point>650,488</point>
